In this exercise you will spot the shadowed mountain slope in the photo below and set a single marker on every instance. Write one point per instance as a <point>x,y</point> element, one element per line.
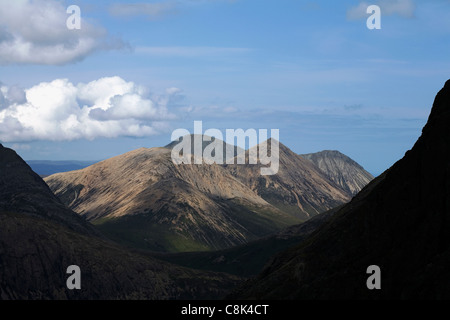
<point>22,190</point>
<point>400,222</point>
<point>248,260</point>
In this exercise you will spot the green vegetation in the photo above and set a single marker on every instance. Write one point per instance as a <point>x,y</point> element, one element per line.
<point>261,221</point>
<point>140,232</point>
<point>244,261</point>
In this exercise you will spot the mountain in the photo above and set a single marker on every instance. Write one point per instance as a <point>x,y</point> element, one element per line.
<point>40,238</point>
<point>23,191</point>
<point>144,200</point>
<point>339,168</point>
<point>45,168</point>
<point>399,222</point>
<point>299,188</point>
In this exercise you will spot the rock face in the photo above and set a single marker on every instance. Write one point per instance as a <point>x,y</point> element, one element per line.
<point>339,168</point>
<point>144,200</point>
<point>400,222</point>
<point>299,188</point>
<point>40,238</point>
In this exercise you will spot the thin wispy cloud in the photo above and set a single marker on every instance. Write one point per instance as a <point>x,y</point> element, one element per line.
<point>190,51</point>
<point>403,8</point>
<point>154,10</point>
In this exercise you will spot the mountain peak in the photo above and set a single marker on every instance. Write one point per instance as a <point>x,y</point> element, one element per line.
<point>283,148</point>
<point>341,169</point>
<point>20,186</point>
<point>441,107</point>
<point>335,152</point>
<point>191,136</point>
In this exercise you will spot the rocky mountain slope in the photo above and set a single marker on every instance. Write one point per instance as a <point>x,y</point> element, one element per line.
<point>144,200</point>
<point>299,188</point>
<point>40,238</point>
<point>339,168</point>
<point>399,222</point>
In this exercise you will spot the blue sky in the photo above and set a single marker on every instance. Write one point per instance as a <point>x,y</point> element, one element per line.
<point>136,71</point>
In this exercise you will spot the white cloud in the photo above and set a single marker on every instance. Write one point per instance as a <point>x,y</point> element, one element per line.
<point>358,12</point>
<point>35,32</point>
<point>404,8</point>
<point>9,95</point>
<point>59,110</point>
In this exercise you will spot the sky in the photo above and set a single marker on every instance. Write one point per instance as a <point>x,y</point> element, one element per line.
<point>136,71</point>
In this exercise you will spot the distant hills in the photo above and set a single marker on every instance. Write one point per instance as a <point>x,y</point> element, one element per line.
<point>40,238</point>
<point>45,168</point>
<point>142,199</point>
<point>399,222</point>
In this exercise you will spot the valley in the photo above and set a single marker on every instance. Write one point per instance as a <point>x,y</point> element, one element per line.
<point>143,200</point>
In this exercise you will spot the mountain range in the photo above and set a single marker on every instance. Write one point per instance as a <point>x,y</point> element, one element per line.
<point>40,236</point>
<point>142,199</point>
<point>398,222</point>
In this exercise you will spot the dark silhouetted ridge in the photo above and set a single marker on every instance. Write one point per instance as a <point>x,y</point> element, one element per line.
<point>23,191</point>
<point>400,222</point>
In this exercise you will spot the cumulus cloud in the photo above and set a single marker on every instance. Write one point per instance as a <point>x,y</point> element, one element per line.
<point>35,32</point>
<point>60,110</point>
<point>404,8</point>
<point>10,95</point>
